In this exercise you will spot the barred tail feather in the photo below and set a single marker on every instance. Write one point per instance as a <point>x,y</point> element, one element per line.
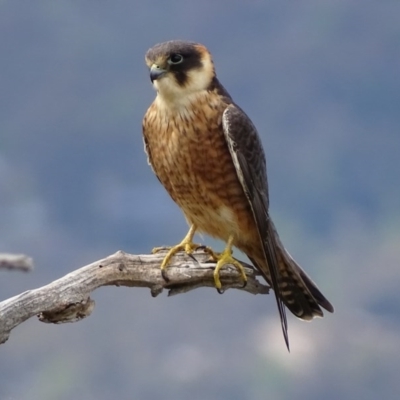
<point>298,292</point>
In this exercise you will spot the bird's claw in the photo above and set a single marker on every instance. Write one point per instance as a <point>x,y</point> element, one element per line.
<point>223,259</point>
<point>185,245</point>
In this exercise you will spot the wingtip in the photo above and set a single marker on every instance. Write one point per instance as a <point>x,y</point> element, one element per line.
<point>286,337</point>
<point>284,325</point>
<point>328,306</point>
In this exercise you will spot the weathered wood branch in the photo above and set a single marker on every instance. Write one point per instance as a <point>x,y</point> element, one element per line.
<point>16,261</point>
<point>68,298</point>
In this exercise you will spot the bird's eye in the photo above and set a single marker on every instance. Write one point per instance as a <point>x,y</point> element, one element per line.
<point>175,59</point>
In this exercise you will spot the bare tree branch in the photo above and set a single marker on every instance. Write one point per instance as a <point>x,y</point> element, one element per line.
<point>68,298</point>
<point>16,261</point>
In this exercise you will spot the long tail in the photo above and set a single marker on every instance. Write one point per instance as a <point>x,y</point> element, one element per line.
<point>298,292</point>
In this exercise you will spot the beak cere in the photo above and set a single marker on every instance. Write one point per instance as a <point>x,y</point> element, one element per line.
<point>156,72</point>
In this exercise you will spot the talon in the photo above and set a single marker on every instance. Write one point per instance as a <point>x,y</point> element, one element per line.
<point>192,257</point>
<point>164,275</point>
<point>220,291</point>
<point>217,281</point>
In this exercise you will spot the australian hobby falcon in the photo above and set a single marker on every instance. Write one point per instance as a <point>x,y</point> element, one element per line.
<point>207,153</point>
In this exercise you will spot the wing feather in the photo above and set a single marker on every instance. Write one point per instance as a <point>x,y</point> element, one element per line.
<point>145,127</point>
<point>249,160</point>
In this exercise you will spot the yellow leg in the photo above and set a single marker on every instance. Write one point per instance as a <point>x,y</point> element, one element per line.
<point>226,258</point>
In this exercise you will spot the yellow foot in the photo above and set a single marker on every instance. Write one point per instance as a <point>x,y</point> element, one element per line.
<point>186,245</point>
<point>225,258</point>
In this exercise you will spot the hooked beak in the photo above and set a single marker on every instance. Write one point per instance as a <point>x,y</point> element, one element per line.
<point>156,72</point>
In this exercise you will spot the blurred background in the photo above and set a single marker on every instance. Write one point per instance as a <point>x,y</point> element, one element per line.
<point>321,82</point>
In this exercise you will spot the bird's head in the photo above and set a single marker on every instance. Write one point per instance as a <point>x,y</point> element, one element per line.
<point>179,68</point>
